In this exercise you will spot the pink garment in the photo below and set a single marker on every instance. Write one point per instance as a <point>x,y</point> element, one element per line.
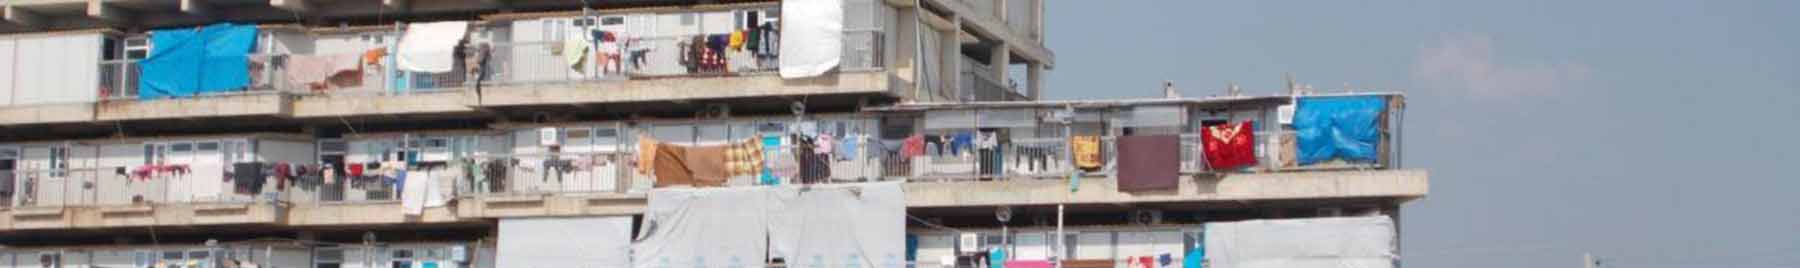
<point>823,144</point>
<point>316,69</point>
<point>1030,264</point>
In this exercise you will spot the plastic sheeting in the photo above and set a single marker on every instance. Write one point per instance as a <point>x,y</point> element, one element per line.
<point>565,242</point>
<point>430,47</point>
<point>703,227</point>
<point>187,62</point>
<point>812,37</point>
<point>842,225</point>
<point>1338,127</point>
<point>1359,242</point>
<point>845,225</point>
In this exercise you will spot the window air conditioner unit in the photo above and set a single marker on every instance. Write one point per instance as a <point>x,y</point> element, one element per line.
<point>1146,217</point>
<point>969,242</point>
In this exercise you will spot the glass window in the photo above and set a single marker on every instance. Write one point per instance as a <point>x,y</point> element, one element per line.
<point>181,147</point>
<point>208,146</point>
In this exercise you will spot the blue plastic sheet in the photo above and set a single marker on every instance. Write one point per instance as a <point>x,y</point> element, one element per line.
<point>1338,127</point>
<point>186,62</point>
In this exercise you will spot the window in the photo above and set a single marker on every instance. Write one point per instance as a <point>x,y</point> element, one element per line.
<point>688,19</point>
<point>333,147</point>
<point>181,147</point>
<point>137,48</point>
<point>59,161</point>
<point>155,153</point>
<point>612,20</point>
<point>328,258</point>
<point>237,151</point>
<point>402,258</point>
<point>208,146</point>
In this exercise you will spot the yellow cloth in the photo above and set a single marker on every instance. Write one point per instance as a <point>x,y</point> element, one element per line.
<point>737,40</point>
<point>574,51</point>
<point>1087,151</point>
<point>646,154</point>
<point>744,158</point>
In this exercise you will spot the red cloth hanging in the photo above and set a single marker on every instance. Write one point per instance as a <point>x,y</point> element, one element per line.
<point>913,146</point>
<point>1229,146</point>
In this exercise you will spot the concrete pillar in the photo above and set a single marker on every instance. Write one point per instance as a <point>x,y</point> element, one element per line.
<point>1037,14</point>
<point>1034,81</point>
<point>999,58</point>
<point>1000,10</point>
<point>952,59</point>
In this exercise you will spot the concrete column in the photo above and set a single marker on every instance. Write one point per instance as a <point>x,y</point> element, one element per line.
<point>1037,14</point>
<point>1000,10</point>
<point>1034,80</point>
<point>999,58</point>
<point>952,59</point>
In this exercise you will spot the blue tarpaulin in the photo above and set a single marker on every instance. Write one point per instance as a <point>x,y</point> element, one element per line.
<point>188,61</point>
<point>1338,127</point>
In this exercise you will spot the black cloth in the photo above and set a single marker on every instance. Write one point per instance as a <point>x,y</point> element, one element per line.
<point>248,178</point>
<point>496,175</point>
<point>814,167</point>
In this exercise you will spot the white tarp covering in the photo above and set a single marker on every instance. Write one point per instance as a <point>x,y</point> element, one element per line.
<point>565,242</point>
<point>847,225</point>
<point>1358,242</point>
<point>413,190</point>
<point>710,227</point>
<point>812,37</point>
<point>430,47</point>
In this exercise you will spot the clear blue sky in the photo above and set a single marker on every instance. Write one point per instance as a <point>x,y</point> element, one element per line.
<point>1650,133</point>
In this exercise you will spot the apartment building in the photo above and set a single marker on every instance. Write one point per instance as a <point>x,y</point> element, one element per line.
<point>227,133</point>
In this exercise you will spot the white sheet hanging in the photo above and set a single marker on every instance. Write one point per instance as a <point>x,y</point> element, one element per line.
<point>711,227</point>
<point>565,242</point>
<point>1305,243</point>
<point>812,37</point>
<point>842,225</point>
<point>414,187</point>
<point>430,47</point>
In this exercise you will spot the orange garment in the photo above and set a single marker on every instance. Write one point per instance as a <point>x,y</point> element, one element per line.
<point>707,164</point>
<point>1087,151</point>
<point>373,56</point>
<point>671,167</point>
<point>646,151</point>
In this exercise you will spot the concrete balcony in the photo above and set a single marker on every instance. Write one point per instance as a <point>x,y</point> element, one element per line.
<point>366,213</point>
<point>443,102</point>
<point>1236,187</point>
<point>179,214</point>
<point>47,114</point>
<point>686,88</point>
<point>249,104</point>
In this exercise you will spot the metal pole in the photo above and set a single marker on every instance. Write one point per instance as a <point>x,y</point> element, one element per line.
<point>1068,154</point>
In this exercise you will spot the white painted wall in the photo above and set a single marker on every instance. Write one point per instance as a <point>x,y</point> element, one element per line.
<point>8,67</point>
<point>56,69</point>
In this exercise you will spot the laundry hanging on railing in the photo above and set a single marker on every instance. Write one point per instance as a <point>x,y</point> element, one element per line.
<point>1087,152</point>
<point>710,165</point>
<point>187,61</point>
<point>322,72</point>
<point>430,47</point>
<point>1148,162</point>
<point>1344,127</point>
<point>1229,146</point>
<point>812,40</point>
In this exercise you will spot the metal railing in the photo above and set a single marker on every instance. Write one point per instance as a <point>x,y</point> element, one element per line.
<point>109,187</point>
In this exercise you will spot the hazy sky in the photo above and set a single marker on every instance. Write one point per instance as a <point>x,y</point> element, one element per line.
<point>1650,133</point>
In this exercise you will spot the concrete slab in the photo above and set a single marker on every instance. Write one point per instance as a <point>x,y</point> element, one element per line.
<point>365,213</point>
<point>46,114</point>
<point>684,88</point>
<point>1404,184</point>
<point>269,104</point>
<point>354,104</point>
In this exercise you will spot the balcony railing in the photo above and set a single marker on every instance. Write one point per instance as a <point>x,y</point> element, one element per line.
<point>518,63</point>
<point>108,187</point>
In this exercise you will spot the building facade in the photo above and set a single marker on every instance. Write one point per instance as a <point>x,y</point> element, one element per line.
<point>111,155</point>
